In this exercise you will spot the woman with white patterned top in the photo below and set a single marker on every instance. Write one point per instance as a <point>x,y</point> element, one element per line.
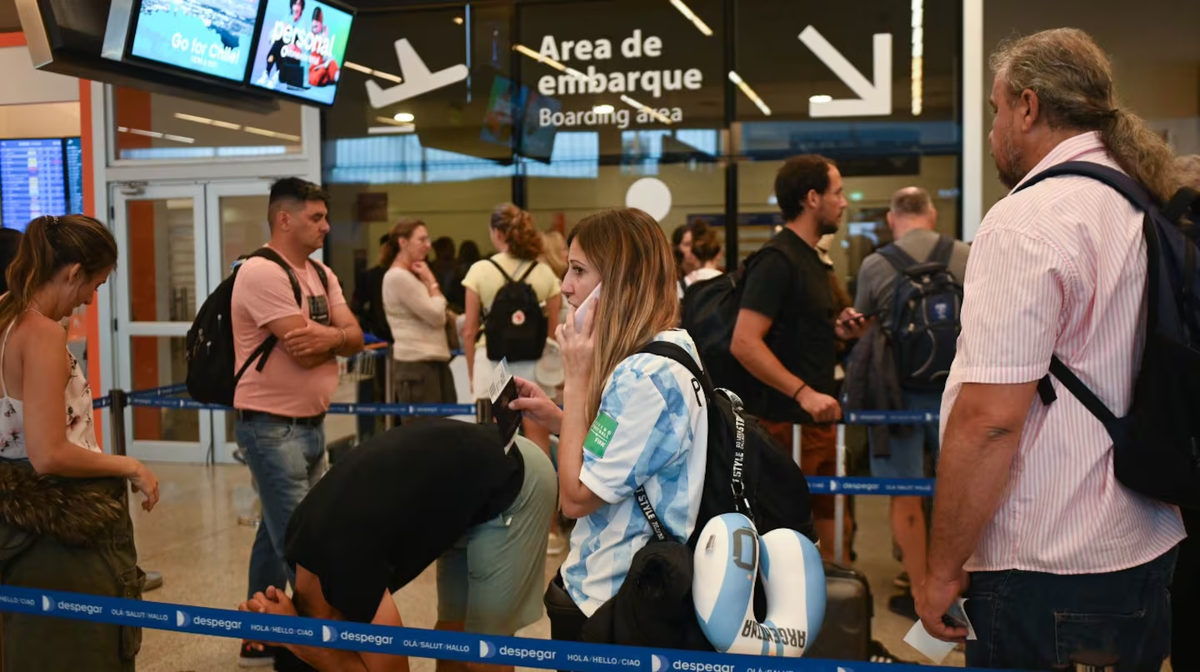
<point>66,523</point>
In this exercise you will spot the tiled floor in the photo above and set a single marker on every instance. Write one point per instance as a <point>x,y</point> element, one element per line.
<point>194,539</point>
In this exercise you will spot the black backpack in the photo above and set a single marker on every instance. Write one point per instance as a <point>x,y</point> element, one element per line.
<point>516,327</point>
<point>926,316</point>
<point>746,471</point>
<point>1155,447</point>
<point>211,360</point>
<point>710,312</point>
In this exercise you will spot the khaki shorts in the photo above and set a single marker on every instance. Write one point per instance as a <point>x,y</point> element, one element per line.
<point>492,580</point>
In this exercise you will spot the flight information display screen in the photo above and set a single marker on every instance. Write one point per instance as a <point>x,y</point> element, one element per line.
<point>33,180</point>
<point>74,148</point>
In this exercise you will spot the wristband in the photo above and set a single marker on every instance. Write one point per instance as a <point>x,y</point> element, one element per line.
<point>799,390</point>
<point>340,345</point>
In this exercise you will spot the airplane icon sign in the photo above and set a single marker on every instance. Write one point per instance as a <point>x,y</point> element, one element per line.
<point>417,78</point>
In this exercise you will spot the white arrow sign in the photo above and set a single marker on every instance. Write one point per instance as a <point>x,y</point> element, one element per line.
<point>874,99</point>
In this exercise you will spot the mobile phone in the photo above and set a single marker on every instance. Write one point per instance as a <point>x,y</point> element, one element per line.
<point>956,616</point>
<point>588,304</point>
<point>502,391</point>
<point>861,318</point>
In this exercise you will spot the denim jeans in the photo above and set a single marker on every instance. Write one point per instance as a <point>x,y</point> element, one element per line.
<point>285,461</point>
<point>906,457</point>
<point>1037,621</point>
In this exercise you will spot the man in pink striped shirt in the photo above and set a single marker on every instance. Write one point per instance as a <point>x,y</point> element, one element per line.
<point>1062,558</point>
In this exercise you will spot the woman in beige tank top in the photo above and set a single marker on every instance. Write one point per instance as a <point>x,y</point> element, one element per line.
<point>66,525</point>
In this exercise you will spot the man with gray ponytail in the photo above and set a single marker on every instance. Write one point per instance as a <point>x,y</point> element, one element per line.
<point>1062,557</point>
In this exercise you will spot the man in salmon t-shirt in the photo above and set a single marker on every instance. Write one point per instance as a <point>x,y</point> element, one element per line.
<point>281,409</point>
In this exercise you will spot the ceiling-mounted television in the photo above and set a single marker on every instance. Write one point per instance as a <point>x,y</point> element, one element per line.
<point>301,49</point>
<point>88,40</point>
<point>208,37</point>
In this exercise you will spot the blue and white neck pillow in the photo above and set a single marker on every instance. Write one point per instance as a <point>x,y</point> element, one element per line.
<point>728,558</point>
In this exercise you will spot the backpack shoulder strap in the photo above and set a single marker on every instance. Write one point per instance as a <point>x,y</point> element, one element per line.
<point>681,356</point>
<point>1081,392</point>
<point>942,251</point>
<point>898,258</point>
<point>1120,182</point>
<point>643,502</point>
<point>507,278</point>
<point>268,253</point>
<point>678,354</point>
<point>1186,201</point>
<point>525,275</point>
<point>320,273</point>
<point>776,243</point>
<point>260,354</point>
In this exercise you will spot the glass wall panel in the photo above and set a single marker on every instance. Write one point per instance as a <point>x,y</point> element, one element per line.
<point>441,154</point>
<point>153,126</point>
<point>632,96</point>
<point>887,129</point>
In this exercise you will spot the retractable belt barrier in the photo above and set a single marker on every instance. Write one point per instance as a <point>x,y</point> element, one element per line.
<point>444,645</point>
<point>163,401</point>
<point>166,397</point>
<point>439,644</point>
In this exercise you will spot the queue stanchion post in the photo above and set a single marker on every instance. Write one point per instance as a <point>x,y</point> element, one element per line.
<point>120,401</point>
<point>796,443</point>
<point>389,420</point>
<point>116,413</point>
<point>839,500</point>
<point>483,411</point>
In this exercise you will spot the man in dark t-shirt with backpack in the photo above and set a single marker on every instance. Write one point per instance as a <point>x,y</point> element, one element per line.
<point>786,333</point>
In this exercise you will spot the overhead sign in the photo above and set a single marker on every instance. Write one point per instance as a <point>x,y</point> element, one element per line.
<point>417,78</point>
<point>874,99</point>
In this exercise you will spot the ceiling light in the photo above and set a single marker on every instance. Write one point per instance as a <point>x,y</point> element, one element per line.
<point>648,110</point>
<point>458,20</point>
<point>373,72</point>
<point>696,21</point>
<point>157,136</point>
<point>404,117</point>
<point>820,98</point>
<point>604,109</point>
<point>392,128</point>
<point>192,117</point>
<point>272,134</point>
<point>750,93</point>
<point>918,56</point>
<point>225,124</point>
<point>526,51</point>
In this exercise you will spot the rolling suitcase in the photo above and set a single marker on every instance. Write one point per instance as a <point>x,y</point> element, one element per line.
<point>846,631</point>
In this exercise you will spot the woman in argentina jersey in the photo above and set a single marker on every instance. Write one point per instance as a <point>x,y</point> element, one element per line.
<point>629,419</point>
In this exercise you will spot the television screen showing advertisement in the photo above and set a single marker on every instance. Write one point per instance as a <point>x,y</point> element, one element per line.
<point>301,49</point>
<point>208,37</point>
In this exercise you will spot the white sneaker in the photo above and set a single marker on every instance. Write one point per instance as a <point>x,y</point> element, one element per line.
<point>556,545</point>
